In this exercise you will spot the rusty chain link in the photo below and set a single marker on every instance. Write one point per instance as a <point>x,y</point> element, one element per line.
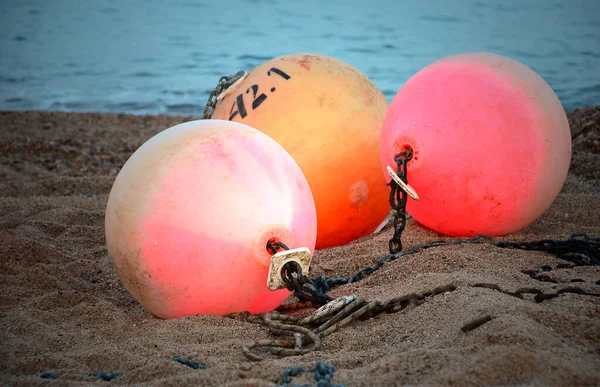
<point>397,199</point>
<point>224,83</point>
<point>274,246</point>
<point>300,335</point>
<point>540,296</point>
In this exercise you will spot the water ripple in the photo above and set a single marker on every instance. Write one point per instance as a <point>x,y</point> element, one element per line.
<point>252,57</point>
<point>185,108</point>
<point>441,19</point>
<point>362,50</point>
<point>144,74</point>
<point>164,58</point>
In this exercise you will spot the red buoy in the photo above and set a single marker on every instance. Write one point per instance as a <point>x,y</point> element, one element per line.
<point>491,144</point>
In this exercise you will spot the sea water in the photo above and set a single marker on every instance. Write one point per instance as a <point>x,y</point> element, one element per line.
<point>164,57</point>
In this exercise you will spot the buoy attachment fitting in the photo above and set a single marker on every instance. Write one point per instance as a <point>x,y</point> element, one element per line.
<point>300,256</point>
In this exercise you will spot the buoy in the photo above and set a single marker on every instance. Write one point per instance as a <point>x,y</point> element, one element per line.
<point>328,116</point>
<point>190,214</point>
<point>491,144</point>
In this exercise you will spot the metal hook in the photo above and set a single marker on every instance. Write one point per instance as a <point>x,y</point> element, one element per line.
<point>407,188</point>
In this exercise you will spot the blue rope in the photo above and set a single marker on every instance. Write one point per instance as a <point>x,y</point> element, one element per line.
<point>323,374</point>
<point>189,363</point>
<point>107,377</point>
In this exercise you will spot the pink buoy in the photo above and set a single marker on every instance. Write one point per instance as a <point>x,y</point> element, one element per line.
<point>491,144</point>
<point>190,214</point>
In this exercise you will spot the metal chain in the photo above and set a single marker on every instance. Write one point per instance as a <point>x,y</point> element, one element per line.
<point>296,281</point>
<point>224,83</point>
<point>540,296</point>
<point>303,335</point>
<point>324,321</point>
<point>274,246</point>
<point>398,199</point>
<point>308,332</point>
<point>303,287</point>
<point>580,249</point>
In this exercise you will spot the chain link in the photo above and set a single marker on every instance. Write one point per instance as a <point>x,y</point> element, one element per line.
<point>540,296</point>
<point>224,83</point>
<point>274,246</point>
<point>303,287</point>
<point>398,198</point>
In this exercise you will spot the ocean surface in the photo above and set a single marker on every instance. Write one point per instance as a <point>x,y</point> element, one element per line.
<point>164,57</point>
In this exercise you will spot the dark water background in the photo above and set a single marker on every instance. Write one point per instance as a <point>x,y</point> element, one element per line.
<point>160,56</point>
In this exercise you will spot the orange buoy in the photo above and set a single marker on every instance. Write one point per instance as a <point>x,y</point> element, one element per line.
<point>328,116</point>
<point>491,144</point>
<point>190,214</point>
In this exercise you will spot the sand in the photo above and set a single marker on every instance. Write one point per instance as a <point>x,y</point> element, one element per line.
<point>65,314</point>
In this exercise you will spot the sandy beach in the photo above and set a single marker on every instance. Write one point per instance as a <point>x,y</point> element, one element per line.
<point>64,314</point>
